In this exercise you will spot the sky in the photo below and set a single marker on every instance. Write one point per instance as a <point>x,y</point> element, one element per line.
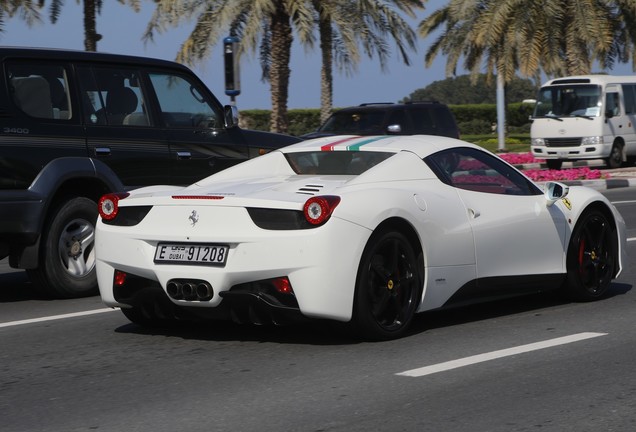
<point>122,30</point>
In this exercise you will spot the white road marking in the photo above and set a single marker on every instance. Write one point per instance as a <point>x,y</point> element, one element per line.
<point>467,361</point>
<point>54,317</point>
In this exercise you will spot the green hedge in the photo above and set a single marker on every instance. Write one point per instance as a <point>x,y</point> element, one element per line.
<point>301,121</point>
<point>471,119</point>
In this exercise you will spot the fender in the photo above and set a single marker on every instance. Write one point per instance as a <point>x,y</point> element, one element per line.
<point>25,212</point>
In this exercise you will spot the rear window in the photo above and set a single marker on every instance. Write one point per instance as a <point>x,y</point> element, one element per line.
<point>362,122</point>
<point>335,162</point>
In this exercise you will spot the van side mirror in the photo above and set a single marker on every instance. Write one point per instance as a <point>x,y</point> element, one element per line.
<point>231,116</point>
<point>555,191</point>
<point>609,114</point>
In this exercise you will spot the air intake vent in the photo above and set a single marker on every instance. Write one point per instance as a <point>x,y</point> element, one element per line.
<point>310,189</point>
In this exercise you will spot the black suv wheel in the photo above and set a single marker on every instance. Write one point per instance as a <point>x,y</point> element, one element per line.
<point>67,261</point>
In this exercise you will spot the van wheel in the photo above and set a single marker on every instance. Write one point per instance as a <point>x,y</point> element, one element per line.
<point>67,254</point>
<point>615,159</point>
<point>554,164</point>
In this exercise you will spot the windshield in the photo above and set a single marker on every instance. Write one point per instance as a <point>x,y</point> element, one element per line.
<point>335,162</point>
<point>355,122</point>
<point>569,101</point>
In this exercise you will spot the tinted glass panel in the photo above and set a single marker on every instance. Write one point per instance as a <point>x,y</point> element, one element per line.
<point>474,170</point>
<point>113,96</point>
<point>40,91</point>
<point>630,98</point>
<point>336,162</point>
<point>569,100</point>
<point>183,104</point>
<point>355,122</point>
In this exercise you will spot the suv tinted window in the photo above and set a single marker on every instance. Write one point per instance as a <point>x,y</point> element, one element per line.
<point>355,122</point>
<point>432,121</point>
<point>112,96</point>
<point>183,104</point>
<point>39,90</point>
<point>429,118</point>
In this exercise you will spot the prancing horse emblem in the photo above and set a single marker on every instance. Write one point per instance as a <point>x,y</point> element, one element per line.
<point>194,217</point>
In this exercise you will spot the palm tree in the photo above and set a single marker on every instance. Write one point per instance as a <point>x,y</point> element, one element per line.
<point>91,8</point>
<point>344,24</point>
<point>558,37</point>
<point>27,10</point>
<point>263,24</point>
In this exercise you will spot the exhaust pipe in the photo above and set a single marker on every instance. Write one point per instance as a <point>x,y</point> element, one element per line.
<point>174,290</point>
<point>189,290</point>
<point>204,291</point>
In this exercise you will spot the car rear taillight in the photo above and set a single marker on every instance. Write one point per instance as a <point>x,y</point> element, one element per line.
<point>318,209</point>
<point>283,285</point>
<point>108,205</point>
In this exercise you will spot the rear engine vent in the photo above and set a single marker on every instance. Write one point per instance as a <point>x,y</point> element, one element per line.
<point>310,189</point>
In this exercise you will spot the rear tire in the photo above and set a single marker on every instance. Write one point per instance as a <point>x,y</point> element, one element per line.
<point>615,159</point>
<point>591,257</point>
<point>67,254</point>
<point>554,164</point>
<point>388,287</point>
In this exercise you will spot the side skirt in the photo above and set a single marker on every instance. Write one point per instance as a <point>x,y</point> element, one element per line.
<point>493,288</point>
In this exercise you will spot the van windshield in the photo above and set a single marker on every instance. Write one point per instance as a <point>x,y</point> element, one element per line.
<point>569,101</point>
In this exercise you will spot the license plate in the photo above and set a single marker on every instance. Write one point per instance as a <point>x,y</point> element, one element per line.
<point>191,254</point>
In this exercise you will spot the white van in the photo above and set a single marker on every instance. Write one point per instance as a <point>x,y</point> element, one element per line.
<point>585,117</point>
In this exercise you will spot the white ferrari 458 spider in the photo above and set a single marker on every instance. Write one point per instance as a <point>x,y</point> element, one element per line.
<point>366,230</point>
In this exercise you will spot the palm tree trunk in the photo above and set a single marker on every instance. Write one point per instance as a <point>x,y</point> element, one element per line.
<point>326,71</point>
<point>279,71</point>
<point>90,33</point>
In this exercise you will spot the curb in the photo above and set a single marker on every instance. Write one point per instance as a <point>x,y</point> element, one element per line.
<point>603,184</point>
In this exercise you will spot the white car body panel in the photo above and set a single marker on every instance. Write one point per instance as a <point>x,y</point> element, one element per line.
<point>464,235</point>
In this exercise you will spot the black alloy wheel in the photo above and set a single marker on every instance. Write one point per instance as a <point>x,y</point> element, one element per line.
<point>591,257</point>
<point>388,285</point>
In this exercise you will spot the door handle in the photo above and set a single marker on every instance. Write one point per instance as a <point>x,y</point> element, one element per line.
<point>474,214</point>
<point>184,155</point>
<point>102,151</point>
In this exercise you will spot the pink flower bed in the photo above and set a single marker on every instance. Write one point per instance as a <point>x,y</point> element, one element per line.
<point>519,158</point>
<point>567,174</point>
<point>540,175</point>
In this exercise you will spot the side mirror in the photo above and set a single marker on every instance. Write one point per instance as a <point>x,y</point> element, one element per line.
<point>231,116</point>
<point>555,191</point>
<point>609,114</point>
<point>394,129</point>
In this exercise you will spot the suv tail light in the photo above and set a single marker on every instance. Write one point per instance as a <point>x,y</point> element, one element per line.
<point>108,205</point>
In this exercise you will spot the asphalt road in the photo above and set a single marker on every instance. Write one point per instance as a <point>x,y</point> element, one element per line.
<point>532,363</point>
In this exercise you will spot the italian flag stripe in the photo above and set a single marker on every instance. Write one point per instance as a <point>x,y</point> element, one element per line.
<point>357,146</point>
<point>354,147</point>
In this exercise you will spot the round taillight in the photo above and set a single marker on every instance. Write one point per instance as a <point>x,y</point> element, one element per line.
<point>108,205</point>
<point>318,209</point>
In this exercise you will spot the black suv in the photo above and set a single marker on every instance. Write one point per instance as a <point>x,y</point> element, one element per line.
<point>75,125</point>
<point>427,118</point>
